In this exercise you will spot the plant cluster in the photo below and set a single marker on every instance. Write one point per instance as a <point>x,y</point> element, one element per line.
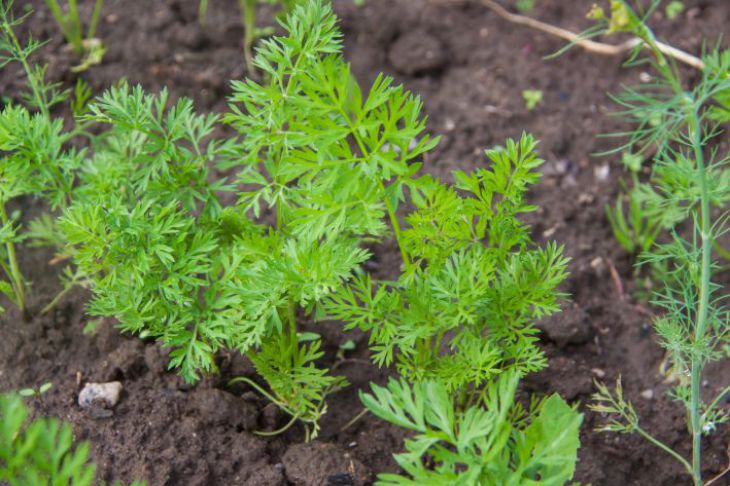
<point>689,177</point>
<point>324,169</point>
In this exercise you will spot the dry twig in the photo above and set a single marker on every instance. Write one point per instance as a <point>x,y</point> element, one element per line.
<point>587,44</point>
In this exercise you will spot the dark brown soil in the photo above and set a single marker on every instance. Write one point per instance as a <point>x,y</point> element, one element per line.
<point>470,67</point>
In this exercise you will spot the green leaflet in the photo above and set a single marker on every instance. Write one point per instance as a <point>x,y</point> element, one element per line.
<point>495,444</point>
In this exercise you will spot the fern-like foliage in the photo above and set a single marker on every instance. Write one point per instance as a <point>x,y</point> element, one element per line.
<point>497,443</point>
<point>464,310</point>
<point>40,453</point>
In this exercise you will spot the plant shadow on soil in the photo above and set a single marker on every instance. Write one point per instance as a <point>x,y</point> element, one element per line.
<point>470,68</point>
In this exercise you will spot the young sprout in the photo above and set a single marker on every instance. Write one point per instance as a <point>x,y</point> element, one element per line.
<point>85,45</point>
<point>32,392</point>
<point>674,9</point>
<point>525,6</point>
<point>532,98</point>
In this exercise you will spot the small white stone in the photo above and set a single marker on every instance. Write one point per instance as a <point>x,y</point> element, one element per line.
<point>602,172</point>
<point>104,395</point>
<point>647,394</point>
<point>598,372</point>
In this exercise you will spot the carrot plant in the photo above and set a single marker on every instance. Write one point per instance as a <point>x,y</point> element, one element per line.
<point>323,168</point>
<point>458,324</point>
<point>35,162</point>
<point>689,177</point>
<point>149,233</point>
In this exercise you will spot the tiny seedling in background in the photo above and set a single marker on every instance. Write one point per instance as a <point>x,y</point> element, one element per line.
<point>525,6</point>
<point>674,9</point>
<point>635,231</point>
<point>32,392</point>
<point>85,45</point>
<point>532,98</point>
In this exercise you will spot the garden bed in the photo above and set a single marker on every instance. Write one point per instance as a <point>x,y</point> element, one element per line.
<point>470,67</point>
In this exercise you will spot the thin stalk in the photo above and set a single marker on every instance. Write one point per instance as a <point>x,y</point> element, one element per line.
<point>58,14</point>
<point>695,134</point>
<point>95,16</point>
<point>15,276</point>
<point>202,12</point>
<point>74,24</point>
<point>32,80</point>
<point>703,311</point>
<point>69,286</point>
<point>666,449</point>
<point>248,13</point>
<point>388,206</point>
<point>396,226</point>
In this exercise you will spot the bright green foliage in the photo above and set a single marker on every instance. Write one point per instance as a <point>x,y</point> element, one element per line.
<point>495,443</point>
<point>690,177</point>
<point>532,98</point>
<point>464,309</point>
<point>40,453</point>
<point>300,131</point>
<point>321,163</point>
<point>35,161</point>
<point>32,162</point>
<point>146,221</point>
<point>162,255</point>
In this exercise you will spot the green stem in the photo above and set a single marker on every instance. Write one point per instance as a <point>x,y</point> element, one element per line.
<point>248,12</point>
<point>666,449</point>
<point>69,286</point>
<point>396,226</point>
<point>74,23</point>
<point>695,133</point>
<point>15,276</point>
<point>95,16</point>
<point>389,207</point>
<point>703,311</point>
<point>32,79</point>
<point>202,12</point>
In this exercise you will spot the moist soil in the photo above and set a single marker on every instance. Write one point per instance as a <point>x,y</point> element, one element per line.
<point>470,67</point>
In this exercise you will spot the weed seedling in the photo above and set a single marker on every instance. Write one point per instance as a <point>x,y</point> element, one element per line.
<point>674,9</point>
<point>85,45</point>
<point>689,177</point>
<point>532,98</point>
<point>525,6</point>
<point>36,393</point>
